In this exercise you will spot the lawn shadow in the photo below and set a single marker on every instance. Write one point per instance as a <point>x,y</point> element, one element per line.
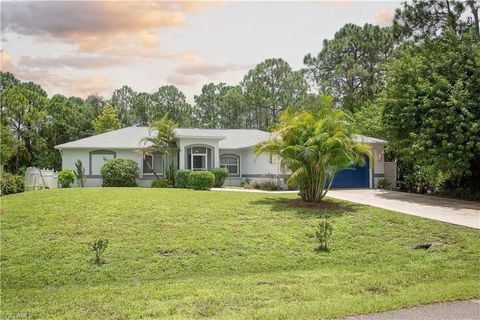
<point>327,208</point>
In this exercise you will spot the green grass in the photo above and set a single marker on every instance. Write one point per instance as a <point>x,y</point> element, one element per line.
<point>192,254</point>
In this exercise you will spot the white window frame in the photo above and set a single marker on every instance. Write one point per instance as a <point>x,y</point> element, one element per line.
<point>153,165</point>
<point>199,154</point>
<point>236,157</point>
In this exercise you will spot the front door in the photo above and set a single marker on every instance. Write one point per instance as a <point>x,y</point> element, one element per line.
<point>199,162</point>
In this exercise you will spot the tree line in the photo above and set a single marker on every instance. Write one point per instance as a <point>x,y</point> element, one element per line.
<point>415,83</point>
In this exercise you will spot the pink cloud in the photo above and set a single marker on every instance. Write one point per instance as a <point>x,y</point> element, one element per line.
<point>384,17</point>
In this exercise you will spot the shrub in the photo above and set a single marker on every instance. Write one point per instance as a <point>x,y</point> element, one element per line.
<point>11,183</point>
<point>161,183</point>
<point>251,184</point>
<point>98,247</point>
<point>201,180</point>
<point>383,183</point>
<point>269,185</point>
<point>220,175</point>
<point>181,178</point>
<point>323,233</point>
<point>119,173</point>
<point>66,177</point>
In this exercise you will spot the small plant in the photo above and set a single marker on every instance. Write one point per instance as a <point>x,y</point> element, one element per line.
<point>80,173</point>
<point>220,175</point>
<point>181,178</point>
<point>161,183</point>
<point>201,180</point>
<point>383,184</point>
<point>323,234</point>
<point>98,247</point>
<point>66,177</point>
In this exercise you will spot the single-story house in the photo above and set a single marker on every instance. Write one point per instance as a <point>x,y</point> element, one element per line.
<point>203,149</point>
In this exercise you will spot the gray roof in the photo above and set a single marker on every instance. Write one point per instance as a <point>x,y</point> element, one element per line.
<point>358,138</point>
<point>129,138</point>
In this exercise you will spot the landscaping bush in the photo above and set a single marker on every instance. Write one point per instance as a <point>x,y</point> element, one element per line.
<point>220,175</point>
<point>181,178</point>
<point>119,173</point>
<point>11,183</point>
<point>161,183</point>
<point>66,177</point>
<point>201,180</point>
<point>383,183</point>
<point>323,233</point>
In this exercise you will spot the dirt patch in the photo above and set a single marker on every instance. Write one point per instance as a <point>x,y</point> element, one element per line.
<point>299,203</point>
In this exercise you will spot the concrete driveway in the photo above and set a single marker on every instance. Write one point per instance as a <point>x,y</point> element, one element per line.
<point>465,213</point>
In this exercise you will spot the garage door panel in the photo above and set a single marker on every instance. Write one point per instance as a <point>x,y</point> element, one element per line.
<point>355,177</point>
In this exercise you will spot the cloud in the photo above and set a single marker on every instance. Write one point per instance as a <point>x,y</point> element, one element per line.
<point>90,85</point>
<point>384,17</point>
<point>192,67</point>
<point>6,62</point>
<point>97,26</point>
<point>56,83</point>
<point>71,61</point>
<point>182,80</point>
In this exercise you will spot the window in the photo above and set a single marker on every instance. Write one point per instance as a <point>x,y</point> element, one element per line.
<point>97,158</point>
<point>155,162</point>
<point>199,158</point>
<point>231,163</point>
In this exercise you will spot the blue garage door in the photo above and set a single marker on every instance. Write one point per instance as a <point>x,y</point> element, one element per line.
<point>356,178</point>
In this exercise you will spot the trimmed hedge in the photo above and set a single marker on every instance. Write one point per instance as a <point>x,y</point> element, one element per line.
<point>201,180</point>
<point>220,175</point>
<point>119,173</point>
<point>181,178</point>
<point>161,183</point>
<point>66,177</point>
<point>11,183</point>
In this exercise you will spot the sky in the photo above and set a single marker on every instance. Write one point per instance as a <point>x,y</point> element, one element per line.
<point>93,47</point>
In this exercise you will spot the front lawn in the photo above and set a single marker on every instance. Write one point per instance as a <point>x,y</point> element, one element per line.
<point>190,254</point>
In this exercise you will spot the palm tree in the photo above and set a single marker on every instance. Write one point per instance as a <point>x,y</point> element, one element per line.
<point>314,147</point>
<point>160,140</point>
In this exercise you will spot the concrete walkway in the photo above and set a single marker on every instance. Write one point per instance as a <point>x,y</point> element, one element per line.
<point>457,310</point>
<point>464,213</point>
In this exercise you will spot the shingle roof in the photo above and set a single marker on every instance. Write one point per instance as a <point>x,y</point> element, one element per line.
<point>129,138</point>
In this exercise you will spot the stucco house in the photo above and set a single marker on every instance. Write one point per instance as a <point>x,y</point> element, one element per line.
<point>203,149</point>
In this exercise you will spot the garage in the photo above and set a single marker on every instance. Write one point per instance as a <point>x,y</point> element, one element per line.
<point>355,177</point>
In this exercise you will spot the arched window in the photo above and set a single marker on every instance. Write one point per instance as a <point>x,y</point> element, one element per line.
<point>199,158</point>
<point>230,162</point>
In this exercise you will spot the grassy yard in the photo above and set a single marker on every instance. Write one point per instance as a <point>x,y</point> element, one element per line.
<point>193,254</point>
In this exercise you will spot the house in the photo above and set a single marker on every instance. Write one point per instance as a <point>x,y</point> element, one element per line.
<point>203,149</point>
